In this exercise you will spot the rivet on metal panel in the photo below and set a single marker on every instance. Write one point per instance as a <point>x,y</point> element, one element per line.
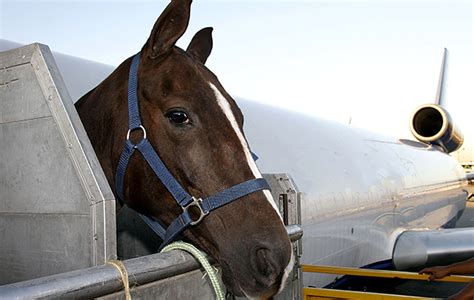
<point>96,237</point>
<point>50,97</point>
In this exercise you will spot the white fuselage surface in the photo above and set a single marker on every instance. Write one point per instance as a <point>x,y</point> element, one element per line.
<point>361,189</point>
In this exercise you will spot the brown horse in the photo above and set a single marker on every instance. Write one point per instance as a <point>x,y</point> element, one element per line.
<point>196,129</point>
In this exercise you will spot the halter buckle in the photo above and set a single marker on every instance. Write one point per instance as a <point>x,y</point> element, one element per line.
<point>202,213</point>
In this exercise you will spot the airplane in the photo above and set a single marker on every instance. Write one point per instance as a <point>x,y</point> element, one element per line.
<point>367,198</point>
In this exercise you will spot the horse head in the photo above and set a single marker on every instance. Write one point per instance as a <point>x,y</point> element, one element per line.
<point>196,129</point>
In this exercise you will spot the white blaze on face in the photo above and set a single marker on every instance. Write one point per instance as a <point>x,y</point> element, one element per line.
<point>225,106</point>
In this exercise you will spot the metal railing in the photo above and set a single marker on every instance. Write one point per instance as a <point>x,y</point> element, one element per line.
<point>104,280</point>
<point>322,293</point>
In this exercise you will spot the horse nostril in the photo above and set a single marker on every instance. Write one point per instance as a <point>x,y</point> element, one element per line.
<point>267,269</point>
<point>265,264</point>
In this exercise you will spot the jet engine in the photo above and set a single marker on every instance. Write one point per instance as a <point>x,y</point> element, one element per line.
<point>432,124</point>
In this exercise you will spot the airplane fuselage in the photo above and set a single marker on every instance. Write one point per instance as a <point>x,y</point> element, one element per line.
<point>361,189</point>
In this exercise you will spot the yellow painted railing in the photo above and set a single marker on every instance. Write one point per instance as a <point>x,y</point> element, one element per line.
<point>321,293</point>
<point>380,273</point>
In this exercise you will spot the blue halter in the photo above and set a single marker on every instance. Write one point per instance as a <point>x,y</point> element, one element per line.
<point>186,201</point>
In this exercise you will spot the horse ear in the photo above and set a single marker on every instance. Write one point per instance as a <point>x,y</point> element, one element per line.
<point>169,27</point>
<point>201,45</point>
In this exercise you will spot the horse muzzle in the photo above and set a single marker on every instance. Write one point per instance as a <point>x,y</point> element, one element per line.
<point>260,273</point>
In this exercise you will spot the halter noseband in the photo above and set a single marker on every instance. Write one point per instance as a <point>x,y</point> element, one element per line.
<point>186,201</point>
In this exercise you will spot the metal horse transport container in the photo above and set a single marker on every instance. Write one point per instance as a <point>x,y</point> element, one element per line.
<point>57,211</point>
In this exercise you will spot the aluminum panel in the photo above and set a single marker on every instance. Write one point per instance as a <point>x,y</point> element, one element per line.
<point>37,175</point>
<point>192,285</point>
<point>57,210</point>
<point>42,244</point>
<point>31,104</point>
<point>96,188</point>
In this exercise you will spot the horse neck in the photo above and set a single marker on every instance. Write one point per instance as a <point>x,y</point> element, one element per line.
<point>104,114</point>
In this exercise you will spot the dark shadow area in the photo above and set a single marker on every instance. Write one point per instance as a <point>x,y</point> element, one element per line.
<point>134,237</point>
<point>397,286</point>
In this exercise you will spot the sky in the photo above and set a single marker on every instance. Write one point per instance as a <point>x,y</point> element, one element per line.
<point>370,63</point>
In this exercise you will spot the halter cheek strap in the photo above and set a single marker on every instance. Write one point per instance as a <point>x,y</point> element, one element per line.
<point>186,201</point>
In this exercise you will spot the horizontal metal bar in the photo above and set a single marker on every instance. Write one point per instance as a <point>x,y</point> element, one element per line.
<point>102,280</point>
<point>381,273</point>
<point>320,293</point>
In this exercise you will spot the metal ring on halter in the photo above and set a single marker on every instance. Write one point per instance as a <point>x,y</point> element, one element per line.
<point>202,213</point>
<point>139,127</point>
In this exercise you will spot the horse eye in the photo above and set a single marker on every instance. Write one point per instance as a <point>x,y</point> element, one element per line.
<point>178,117</point>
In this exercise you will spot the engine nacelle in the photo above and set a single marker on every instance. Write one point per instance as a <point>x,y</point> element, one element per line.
<point>432,124</point>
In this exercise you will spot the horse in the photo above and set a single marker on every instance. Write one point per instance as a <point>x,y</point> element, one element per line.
<point>195,129</point>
